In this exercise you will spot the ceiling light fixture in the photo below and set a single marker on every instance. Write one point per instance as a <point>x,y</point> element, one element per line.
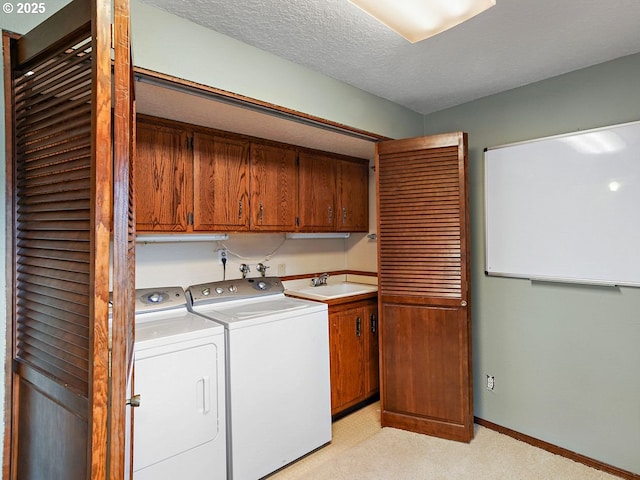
<point>416,20</point>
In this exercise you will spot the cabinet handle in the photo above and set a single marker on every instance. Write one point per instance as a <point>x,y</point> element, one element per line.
<point>330,215</point>
<point>261,211</point>
<point>344,215</point>
<point>374,322</point>
<point>358,326</point>
<point>240,210</point>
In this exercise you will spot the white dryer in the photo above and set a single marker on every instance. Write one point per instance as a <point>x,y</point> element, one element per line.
<point>179,427</point>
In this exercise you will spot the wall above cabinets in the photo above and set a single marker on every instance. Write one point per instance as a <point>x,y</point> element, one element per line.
<point>176,99</point>
<point>195,179</point>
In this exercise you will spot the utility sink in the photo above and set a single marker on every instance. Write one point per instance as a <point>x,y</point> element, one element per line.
<point>333,291</point>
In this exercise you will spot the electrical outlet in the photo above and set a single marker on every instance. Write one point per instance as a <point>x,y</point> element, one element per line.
<point>491,382</point>
<point>222,253</point>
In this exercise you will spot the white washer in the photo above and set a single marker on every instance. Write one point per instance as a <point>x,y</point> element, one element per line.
<point>179,427</point>
<point>278,391</point>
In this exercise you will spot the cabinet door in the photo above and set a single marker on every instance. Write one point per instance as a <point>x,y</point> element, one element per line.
<point>370,331</point>
<point>347,358</point>
<point>353,196</point>
<point>274,188</point>
<point>163,178</point>
<point>221,183</point>
<point>317,180</point>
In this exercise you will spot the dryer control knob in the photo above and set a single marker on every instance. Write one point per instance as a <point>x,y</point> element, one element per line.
<point>219,290</point>
<point>206,292</point>
<point>233,288</point>
<point>262,285</point>
<point>154,298</point>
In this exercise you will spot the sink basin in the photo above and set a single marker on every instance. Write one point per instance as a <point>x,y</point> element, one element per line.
<point>337,290</point>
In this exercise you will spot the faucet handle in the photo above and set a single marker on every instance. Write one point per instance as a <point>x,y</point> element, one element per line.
<point>262,269</point>
<point>244,268</point>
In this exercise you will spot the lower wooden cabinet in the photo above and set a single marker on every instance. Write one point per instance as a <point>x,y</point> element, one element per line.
<point>353,346</point>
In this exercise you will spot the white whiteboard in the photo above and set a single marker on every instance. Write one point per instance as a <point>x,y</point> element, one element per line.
<point>566,208</point>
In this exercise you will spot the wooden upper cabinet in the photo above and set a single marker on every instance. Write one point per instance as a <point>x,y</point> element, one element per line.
<point>221,183</point>
<point>317,200</point>
<point>193,179</point>
<point>274,188</point>
<point>163,178</point>
<point>353,196</point>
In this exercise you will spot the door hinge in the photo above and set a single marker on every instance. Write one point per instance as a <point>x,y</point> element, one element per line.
<point>190,218</point>
<point>297,221</point>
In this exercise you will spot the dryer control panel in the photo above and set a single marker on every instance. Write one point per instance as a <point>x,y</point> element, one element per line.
<point>153,299</point>
<point>234,289</point>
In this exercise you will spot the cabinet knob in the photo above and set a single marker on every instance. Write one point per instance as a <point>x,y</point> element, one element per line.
<point>463,303</point>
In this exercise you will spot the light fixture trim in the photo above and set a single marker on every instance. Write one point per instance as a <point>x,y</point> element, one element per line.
<point>417,20</point>
<point>181,237</point>
<point>299,236</point>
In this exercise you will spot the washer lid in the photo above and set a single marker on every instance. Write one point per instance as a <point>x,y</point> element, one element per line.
<point>266,309</point>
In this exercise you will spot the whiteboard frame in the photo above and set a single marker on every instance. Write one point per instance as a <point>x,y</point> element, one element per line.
<point>551,278</point>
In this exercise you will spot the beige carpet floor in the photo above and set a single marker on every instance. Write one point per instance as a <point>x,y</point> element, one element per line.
<point>361,450</point>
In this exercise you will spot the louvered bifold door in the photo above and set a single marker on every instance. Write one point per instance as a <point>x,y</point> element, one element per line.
<point>61,191</point>
<point>423,261</point>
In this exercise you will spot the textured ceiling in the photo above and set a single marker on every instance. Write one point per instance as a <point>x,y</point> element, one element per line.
<point>514,43</point>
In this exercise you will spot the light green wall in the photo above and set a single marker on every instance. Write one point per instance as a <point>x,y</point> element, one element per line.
<point>565,357</point>
<point>171,45</point>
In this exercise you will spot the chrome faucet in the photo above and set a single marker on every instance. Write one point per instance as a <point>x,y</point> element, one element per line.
<point>320,280</point>
<point>244,268</point>
<point>262,269</point>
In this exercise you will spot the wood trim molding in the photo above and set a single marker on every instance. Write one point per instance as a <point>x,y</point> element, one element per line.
<point>169,81</point>
<point>555,449</point>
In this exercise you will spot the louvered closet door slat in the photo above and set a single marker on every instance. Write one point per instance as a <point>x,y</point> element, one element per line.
<point>53,192</point>
<point>420,224</point>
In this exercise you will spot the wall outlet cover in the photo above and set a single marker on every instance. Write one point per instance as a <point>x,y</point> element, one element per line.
<point>491,382</point>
